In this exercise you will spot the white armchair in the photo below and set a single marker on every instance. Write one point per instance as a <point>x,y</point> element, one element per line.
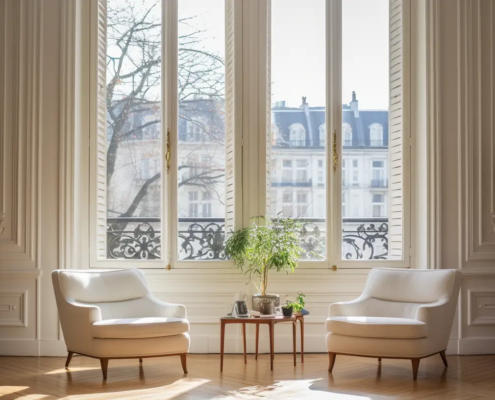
<point>112,314</point>
<point>400,314</point>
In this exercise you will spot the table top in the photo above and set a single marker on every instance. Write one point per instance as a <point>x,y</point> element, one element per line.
<point>251,319</point>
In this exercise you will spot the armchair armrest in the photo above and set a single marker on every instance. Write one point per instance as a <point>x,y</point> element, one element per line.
<point>429,313</point>
<point>81,312</point>
<point>165,309</point>
<point>348,308</point>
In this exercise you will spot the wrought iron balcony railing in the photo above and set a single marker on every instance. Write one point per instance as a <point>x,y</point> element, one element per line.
<point>204,238</point>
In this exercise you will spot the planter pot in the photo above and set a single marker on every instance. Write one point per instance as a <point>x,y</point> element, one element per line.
<point>266,304</point>
<point>287,311</point>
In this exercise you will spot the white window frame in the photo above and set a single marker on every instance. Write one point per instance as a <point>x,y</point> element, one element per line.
<point>252,132</point>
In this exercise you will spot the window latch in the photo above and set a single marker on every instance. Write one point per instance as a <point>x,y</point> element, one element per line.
<point>335,153</point>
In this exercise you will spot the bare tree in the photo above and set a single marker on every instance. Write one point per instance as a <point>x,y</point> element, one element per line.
<point>134,63</point>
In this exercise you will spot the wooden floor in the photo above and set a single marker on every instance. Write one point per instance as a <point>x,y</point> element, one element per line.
<point>468,377</point>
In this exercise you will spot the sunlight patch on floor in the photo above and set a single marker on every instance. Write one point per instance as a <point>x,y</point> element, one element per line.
<point>298,389</point>
<point>71,369</point>
<point>167,392</point>
<point>5,390</point>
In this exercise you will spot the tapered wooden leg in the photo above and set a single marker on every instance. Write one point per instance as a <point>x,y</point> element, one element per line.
<point>379,359</point>
<point>415,367</point>
<point>244,342</point>
<point>272,345</point>
<point>294,341</point>
<point>331,361</point>
<point>302,338</point>
<point>444,358</point>
<point>69,357</point>
<point>183,360</point>
<point>104,367</point>
<point>222,343</point>
<point>140,360</point>
<point>257,340</point>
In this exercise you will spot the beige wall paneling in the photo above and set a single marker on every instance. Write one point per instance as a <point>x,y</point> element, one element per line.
<point>20,175</point>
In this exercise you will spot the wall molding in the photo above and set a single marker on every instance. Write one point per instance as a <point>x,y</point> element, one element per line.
<point>433,157</point>
<point>20,163</point>
<point>475,296</point>
<point>22,299</point>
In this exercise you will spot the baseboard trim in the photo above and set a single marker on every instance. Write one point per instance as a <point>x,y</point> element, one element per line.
<point>452,346</point>
<point>53,348</point>
<point>484,345</point>
<point>24,348</point>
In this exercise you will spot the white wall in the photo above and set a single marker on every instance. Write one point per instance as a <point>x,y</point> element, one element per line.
<point>36,123</point>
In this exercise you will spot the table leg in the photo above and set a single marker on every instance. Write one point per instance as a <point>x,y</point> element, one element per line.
<point>301,320</point>
<point>222,343</point>
<point>272,345</point>
<point>294,340</point>
<point>257,339</point>
<point>244,341</point>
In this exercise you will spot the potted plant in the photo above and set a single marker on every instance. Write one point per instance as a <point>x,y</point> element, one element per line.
<point>298,305</point>
<point>261,248</point>
<point>287,309</point>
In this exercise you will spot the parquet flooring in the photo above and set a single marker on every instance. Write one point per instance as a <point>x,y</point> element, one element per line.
<point>353,378</point>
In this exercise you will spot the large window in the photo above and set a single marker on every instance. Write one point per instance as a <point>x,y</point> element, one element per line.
<point>298,97</point>
<point>209,112</point>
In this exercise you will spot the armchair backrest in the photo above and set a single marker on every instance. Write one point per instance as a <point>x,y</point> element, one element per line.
<point>411,286</point>
<point>93,286</point>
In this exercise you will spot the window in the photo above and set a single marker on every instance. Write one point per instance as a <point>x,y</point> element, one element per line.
<point>376,134</point>
<point>292,78</point>
<point>347,133</point>
<point>322,134</point>
<point>378,205</point>
<point>297,135</point>
<point>378,174</point>
<point>186,153</point>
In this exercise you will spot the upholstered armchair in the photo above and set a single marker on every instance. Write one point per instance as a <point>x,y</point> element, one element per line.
<point>112,314</point>
<point>400,314</point>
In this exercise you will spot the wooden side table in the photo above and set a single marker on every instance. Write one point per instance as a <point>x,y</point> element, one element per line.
<point>259,321</point>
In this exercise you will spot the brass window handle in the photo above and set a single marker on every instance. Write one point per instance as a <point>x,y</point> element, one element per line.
<point>168,155</point>
<point>335,153</point>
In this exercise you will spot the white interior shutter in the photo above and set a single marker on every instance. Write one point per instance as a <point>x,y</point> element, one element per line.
<point>396,129</point>
<point>230,125</point>
<point>101,132</point>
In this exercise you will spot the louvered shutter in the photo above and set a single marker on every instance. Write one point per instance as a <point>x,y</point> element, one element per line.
<point>101,132</point>
<point>396,129</point>
<point>229,117</point>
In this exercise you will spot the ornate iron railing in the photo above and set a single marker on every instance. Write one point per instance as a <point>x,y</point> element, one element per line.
<point>203,238</point>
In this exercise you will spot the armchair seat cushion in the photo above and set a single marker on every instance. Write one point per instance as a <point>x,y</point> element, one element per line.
<point>377,327</point>
<point>138,328</point>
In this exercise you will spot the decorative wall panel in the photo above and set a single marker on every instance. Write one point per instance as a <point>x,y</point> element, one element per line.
<point>20,61</point>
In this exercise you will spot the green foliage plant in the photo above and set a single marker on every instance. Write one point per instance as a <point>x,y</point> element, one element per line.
<point>297,305</point>
<point>265,246</point>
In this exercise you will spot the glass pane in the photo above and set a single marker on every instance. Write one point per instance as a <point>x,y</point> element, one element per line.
<point>201,152</point>
<point>365,155</point>
<point>298,178</point>
<point>134,134</point>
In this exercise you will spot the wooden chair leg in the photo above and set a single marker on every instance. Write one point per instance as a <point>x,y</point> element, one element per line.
<point>69,358</point>
<point>332,357</point>
<point>140,360</point>
<point>444,358</point>
<point>415,367</point>
<point>104,367</point>
<point>379,359</point>
<point>183,360</point>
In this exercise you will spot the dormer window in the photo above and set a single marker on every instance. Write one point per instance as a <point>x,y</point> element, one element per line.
<point>322,134</point>
<point>376,135</point>
<point>347,134</point>
<point>297,135</point>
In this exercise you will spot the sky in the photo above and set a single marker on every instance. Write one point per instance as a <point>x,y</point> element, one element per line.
<point>298,52</point>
